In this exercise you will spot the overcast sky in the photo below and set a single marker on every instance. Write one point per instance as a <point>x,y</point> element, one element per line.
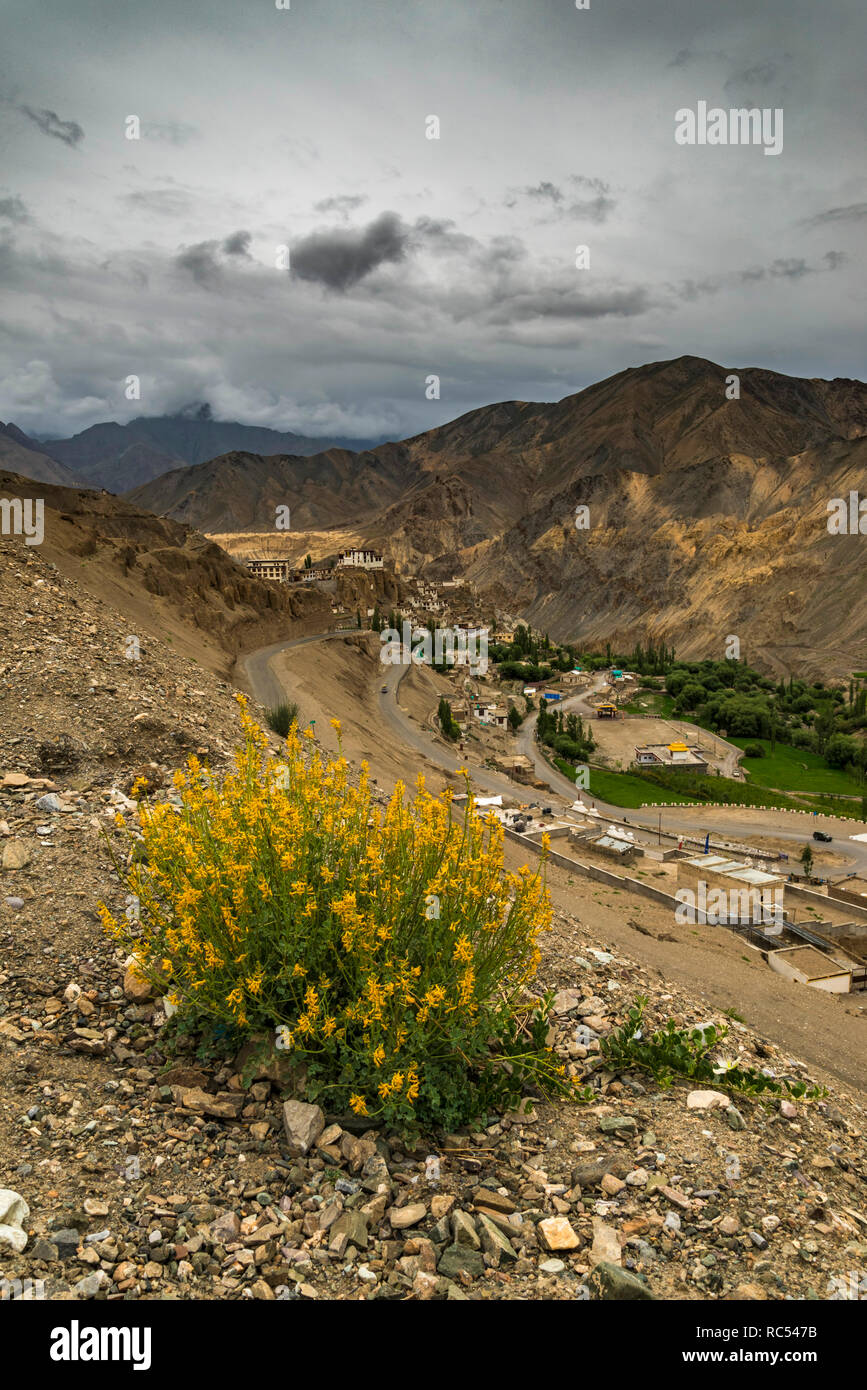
<point>306,128</point>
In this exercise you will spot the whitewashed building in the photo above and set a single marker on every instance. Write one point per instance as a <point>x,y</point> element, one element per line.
<point>360,559</point>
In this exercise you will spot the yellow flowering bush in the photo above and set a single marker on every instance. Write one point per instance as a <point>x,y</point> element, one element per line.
<point>388,949</point>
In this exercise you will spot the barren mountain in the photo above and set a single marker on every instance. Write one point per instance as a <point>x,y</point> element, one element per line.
<point>707,516</point>
<point>26,457</point>
<point>121,457</point>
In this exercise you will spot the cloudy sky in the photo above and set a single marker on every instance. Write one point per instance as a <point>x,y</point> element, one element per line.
<point>284,241</point>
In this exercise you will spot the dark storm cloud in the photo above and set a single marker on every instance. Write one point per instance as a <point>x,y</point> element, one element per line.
<point>340,257</point>
<point>13,209</point>
<point>70,132</point>
<point>238,244</point>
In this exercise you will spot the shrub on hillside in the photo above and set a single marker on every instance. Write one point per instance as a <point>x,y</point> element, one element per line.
<point>282,717</point>
<point>388,950</point>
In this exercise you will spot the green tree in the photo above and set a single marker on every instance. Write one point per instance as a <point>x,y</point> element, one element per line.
<point>446,720</point>
<point>807,860</point>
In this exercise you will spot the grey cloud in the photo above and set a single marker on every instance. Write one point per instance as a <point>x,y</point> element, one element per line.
<point>202,260</point>
<point>597,207</point>
<point>569,303</point>
<point>70,132</point>
<point>238,244</point>
<point>176,133</point>
<point>13,209</point>
<point>438,234</point>
<point>545,191</point>
<point>759,73</point>
<point>339,258</point>
<point>854,212</point>
<point>783,268</point>
<point>165,202</point>
<point>342,203</point>
<point>790,268</point>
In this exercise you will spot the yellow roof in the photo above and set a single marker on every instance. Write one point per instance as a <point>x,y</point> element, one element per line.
<point>677,748</point>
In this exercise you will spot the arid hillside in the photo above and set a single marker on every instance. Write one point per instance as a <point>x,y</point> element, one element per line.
<point>164,579</point>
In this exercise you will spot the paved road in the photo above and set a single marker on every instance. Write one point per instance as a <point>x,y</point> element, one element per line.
<point>721,824</point>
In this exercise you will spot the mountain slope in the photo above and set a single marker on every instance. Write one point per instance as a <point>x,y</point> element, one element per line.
<point>240,491</point>
<point>708,516</point>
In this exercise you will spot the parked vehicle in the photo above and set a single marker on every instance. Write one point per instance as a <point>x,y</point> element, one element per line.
<point>820,835</point>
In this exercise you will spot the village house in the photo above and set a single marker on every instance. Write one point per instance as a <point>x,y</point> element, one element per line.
<point>281,570</point>
<point>497,715</point>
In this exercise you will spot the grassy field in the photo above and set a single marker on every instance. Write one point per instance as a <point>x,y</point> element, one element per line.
<point>631,790</point>
<point>650,702</point>
<point>795,770</point>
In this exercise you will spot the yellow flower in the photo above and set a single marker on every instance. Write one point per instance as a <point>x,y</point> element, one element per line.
<point>358,1104</point>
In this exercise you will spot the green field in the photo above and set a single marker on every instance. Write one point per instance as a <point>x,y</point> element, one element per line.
<point>622,789</point>
<point>795,770</point>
